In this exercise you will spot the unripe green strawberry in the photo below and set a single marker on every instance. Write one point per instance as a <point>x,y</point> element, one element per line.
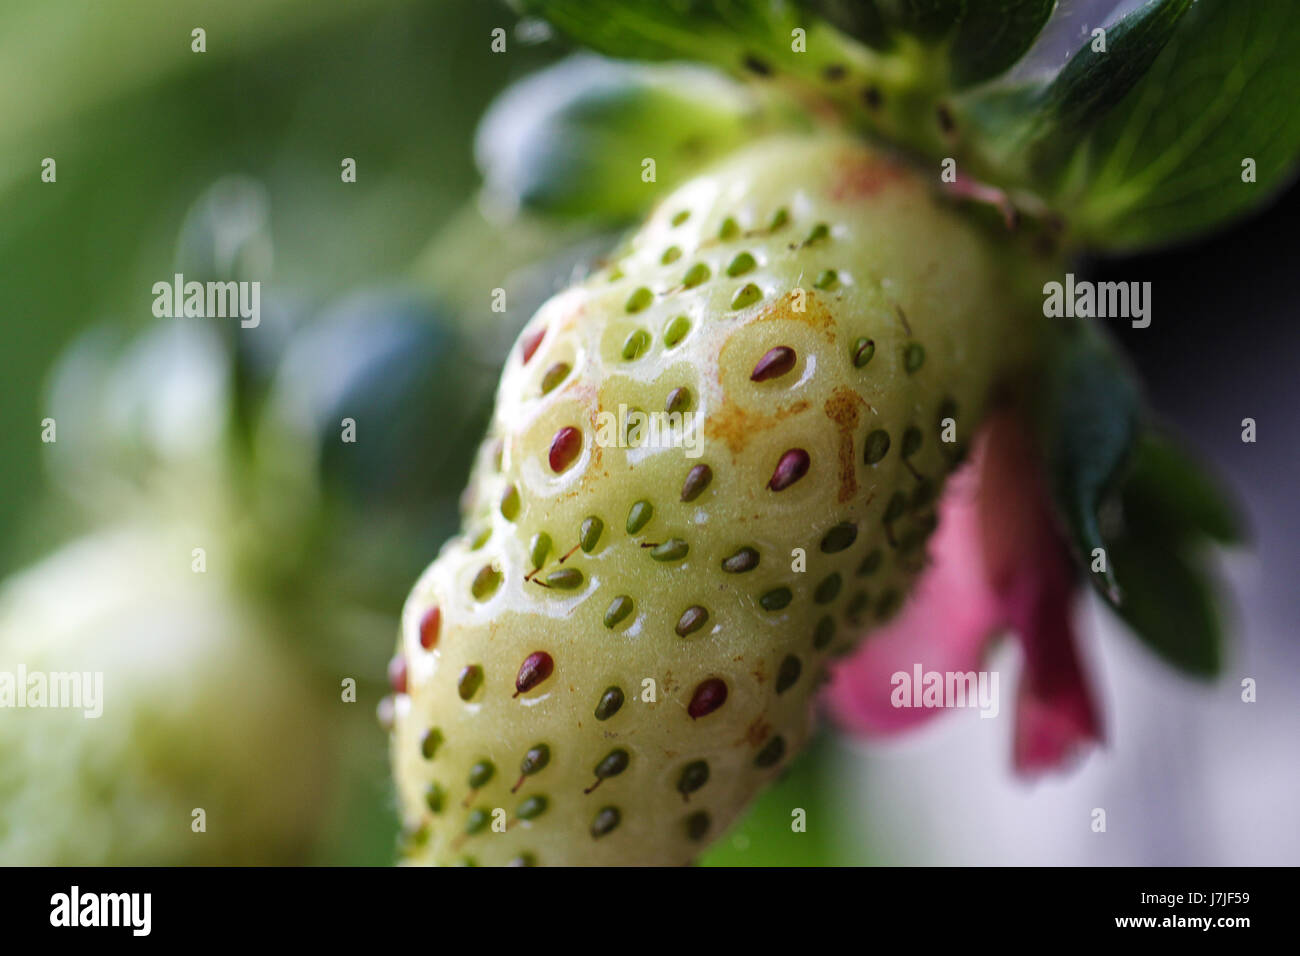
<point>621,647</point>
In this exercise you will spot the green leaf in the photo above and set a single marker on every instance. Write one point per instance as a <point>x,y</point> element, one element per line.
<point>1168,164</point>
<point>993,36</point>
<point>1088,425</point>
<point>1171,497</point>
<point>928,19</point>
<point>1169,604</point>
<point>859,19</point>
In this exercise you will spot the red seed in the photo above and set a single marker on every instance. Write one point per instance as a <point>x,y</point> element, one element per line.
<point>792,466</point>
<point>430,625</point>
<point>397,674</point>
<point>708,697</point>
<point>536,667</point>
<point>530,342</point>
<point>564,448</point>
<point>774,364</point>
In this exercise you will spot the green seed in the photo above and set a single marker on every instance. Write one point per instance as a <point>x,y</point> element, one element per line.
<point>614,763</point>
<point>681,217</point>
<point>671,255</point>
<point>911,441</point>
<point>672,550</point>
<point>863,350</point>
<point>896,508</point>
<point>535,759</point>
<point>695,275</point>
<point>481,773</point>
<point>556,374</point>
<point>697,479</point>
<point>435,797</point>
<point>510,504</point>
<point>840,537</point>
<point>877,446</point>
<point>470,680</point>
<point>485,583</point>
<point>740,265</point>
<point>533,807</point>
<point>566,579</point>
<point>824,633</point>
<point>609,704</point>
<point>639,516</point>
<point>636,343</point>
<point>618,609</point>
<point>697,825</point>
<point>857,605</point>
<point>923,494</point>
<point>676,330</point>
<point>590,532</point>
<point>692,619</point>
<point>746,296</point>
<point>430,742</point>
<point>827,281</point>
<point>480,539</point>
<point>477,822</point>
<point>819,232</point>
<point>539,549</point>
<point>828,590</point>
<point>729,229</point>
<point>639,299</point>
<point>913,357</point>
<point>779,219</point>
<point>771,753</point>
<point>679,400</point>
<point>746,559</point>
<point>788,673</point>
<point>870,564</point>
<point>606,820</point>
<point>776,599</point>
<point>694,775</point>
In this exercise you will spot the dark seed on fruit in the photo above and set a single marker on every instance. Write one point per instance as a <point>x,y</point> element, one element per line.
<point>896,508</point>
<point>776,599</point>
<point>609,704</point>
<point>834,72</point>
<point>877,446</point>
<point>887,605</point>
<point>792,466</point>
<point>397,674</point>
<point>636,343</point>
<point>435,798</point>
<point>692,619</point>
<point>485,582</point>
<point>757,66</point>
<point>676,330</point>
<point>679,400</point>
<point>858,604</point>
<point>788,673</point>
<point>565,579</point>
<point>697,479</point>
<point>539,549</point>
<point>771,753</point>
<point>697,825</point>
<point>535,759</point>
<point>470,680</point>
<point>827,281</point>
<point>681,217</point>
<point>740,265</point>
<point>709,696</point>
<point>819,232</point>
<point>430,626</point>
<point>565,447</point>
<point>863,350</point>
<point>481,773</point>
<point>606,820</point>
<point>536,667</point>
<point>531,808</point>
<point>828,589</point>
<point>618,609</point>
<point>694,775</point>
<point>746,296</point>
<point>639,516</point>
<point>696,275</point>
<point>589,533</point>
<point>775,363</point>
<point>477,822</point>
<point>911,441</point>
<point>872,97</point>
<point>923,494</point>
<point>824,633</point>
<point>913,356</point>
<point>614,763</point>
<point>746,559</point>
<point>671,255</point>
<point>673,550</point>
<point>510,504</point>
<point>430,741</point>
<point>870,564</point>
<point>639,299</point>
<point>556,374</point>
<point>840,537</point>
<point>528,345</point>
